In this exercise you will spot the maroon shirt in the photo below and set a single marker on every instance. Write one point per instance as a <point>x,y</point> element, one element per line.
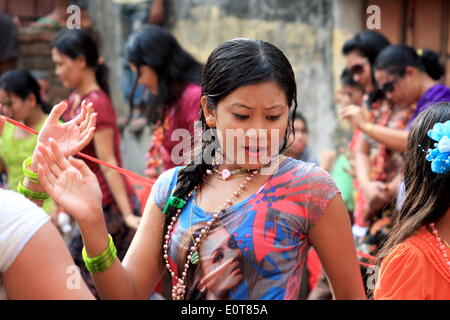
<point>106,118</point>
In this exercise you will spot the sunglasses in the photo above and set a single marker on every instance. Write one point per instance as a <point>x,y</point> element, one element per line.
<point>388,86</point>
<point>357,69</point>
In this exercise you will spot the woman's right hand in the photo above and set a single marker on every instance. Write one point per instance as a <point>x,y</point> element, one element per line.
<point>70,183</point>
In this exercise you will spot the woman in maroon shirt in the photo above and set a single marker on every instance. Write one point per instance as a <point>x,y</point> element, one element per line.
<point>79,67</point>
<point>173,77</point>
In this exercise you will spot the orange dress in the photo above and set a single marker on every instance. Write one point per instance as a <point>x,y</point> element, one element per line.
<point>415,270</point>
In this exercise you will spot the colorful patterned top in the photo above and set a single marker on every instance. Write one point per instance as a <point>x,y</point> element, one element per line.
<point>258,248</point>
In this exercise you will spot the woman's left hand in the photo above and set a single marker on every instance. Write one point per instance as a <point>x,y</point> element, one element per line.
<point>72,136</point>
<point>69,182</point>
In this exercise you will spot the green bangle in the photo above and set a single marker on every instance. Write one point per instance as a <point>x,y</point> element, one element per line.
<point>103,261</point>
<point>39,196</point>
<point>33,176</point>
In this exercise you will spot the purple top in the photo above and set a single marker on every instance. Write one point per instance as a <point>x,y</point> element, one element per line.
<point>437,93</point>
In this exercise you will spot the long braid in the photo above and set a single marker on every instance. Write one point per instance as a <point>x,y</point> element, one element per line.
<point>189,176</point>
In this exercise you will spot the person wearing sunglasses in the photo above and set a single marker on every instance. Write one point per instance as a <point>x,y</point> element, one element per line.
<point>377,167</point>
<point>360,53</point>
<point>407,77</point>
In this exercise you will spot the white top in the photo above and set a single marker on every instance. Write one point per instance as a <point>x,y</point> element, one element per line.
<point>20,219</point>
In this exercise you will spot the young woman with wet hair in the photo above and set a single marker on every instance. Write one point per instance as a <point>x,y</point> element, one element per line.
<point>273,211</point>
<point>80,68</point>
<point>173,77</point>
<point>415,261</point>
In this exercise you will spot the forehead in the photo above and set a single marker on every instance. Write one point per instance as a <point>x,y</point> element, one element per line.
<point>299,123</point>
<point>382,76</point>
<point>58,56</point>
<point>219,237</point>
<point>260,95</point>
<point>43,82</point>
<point>5,96</point>
<point>354,58</point>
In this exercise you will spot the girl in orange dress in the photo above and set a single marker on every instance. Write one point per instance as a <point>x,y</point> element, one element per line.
<point>415,260</point>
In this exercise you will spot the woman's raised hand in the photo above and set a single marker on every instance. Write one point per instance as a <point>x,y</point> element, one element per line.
<point>69,182</point>
<point>73,135</point>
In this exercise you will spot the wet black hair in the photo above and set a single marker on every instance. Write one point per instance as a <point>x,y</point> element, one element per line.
<point>21,83</point>
<point>77,42</point>
<point>158,49</point>
<point>395,58</point>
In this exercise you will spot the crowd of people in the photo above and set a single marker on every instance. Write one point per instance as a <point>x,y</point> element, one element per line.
<point>254,216</point>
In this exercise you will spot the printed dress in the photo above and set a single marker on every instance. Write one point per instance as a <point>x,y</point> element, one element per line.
<point>257,248</point>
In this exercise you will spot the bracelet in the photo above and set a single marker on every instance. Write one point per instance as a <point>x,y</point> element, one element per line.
<point>32,176</point>
<point>103,261</point>
<point>38,196</point>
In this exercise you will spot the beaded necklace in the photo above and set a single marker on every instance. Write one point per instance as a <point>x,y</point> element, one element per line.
<point>225,173</point>
<point>179,289</point>
<point>441,244</point>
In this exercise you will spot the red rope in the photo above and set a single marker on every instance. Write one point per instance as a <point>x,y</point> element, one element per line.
<point>128,173</point>
<point>367,265</point>
<point>367,256</point>
<point>146,181</point>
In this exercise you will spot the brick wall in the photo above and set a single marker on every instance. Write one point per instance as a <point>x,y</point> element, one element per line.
<point>35,53</point>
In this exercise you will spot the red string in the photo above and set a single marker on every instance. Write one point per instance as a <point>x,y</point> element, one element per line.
<point>367,256</point>
<point>367,265</point>
<point>145,181</point>
<point>128,173</point>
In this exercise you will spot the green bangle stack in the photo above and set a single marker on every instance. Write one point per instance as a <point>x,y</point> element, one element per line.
<point>38,196</point>
<point>32,176</point>
<point>103,261</point>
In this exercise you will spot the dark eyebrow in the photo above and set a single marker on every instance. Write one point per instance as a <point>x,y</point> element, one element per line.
<point>236,104</point>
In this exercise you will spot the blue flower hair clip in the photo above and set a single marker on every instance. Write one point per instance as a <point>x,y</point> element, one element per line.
<point>440,155</point>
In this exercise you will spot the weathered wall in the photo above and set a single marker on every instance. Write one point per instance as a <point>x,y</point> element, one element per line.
<point>303,29</point>
<point>310,32</point>
<point>105,15</point>
<point>35,53</point>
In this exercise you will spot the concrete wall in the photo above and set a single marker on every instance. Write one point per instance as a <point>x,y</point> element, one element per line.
<point>35,53</point>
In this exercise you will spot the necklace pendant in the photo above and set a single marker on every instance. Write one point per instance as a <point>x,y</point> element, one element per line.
<point>226,174</point>
<point>195,258</point>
